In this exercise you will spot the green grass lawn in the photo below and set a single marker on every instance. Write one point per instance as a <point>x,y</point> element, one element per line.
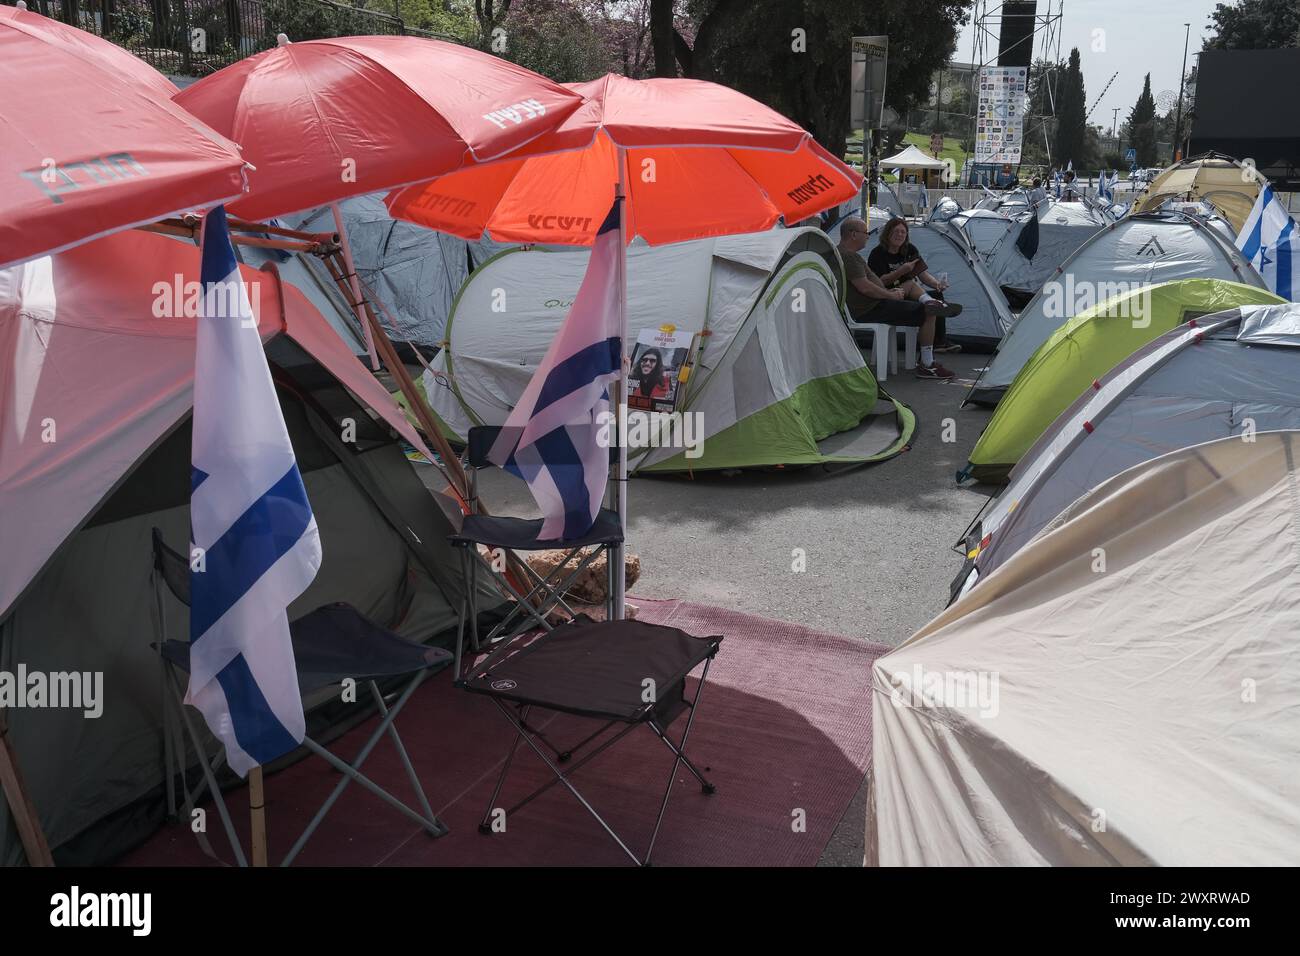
<point>951,149</point>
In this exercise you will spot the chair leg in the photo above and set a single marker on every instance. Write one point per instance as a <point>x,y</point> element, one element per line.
<point>554,595</point>
<point>576,767</point>
<point>680,755</point>
<point>485,825</point>
<point>217,799</point>
<point>879,355</point>
<point>522,735</point>
<point>464,613</point>
<point>352,772</point>
<point>401,748</point>
<point>168,758</point>
<point>662,734</point>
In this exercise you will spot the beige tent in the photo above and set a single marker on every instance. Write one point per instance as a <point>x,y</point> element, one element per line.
<point>1219,180</point>
<point>1125,690</point>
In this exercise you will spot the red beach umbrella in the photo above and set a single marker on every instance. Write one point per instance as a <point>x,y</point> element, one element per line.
<point>322,120</point>
<point>91,144</point>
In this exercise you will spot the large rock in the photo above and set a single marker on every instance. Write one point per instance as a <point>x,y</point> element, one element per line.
<point>590,586</point>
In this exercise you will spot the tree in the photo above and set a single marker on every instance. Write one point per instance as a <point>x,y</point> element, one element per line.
<point>793,55</point>
<point>556,38</point>
<point>1255,25</point>
<point>1071,143</point>
<point>1141,126</point>
<point>446,18</point>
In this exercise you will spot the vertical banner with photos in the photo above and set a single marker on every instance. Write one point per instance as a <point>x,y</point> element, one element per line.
<point>1000,120</point>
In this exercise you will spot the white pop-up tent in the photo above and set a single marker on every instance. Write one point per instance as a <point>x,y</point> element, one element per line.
<point>1124,691</point>
<point>777,377</point>
<point>911,157</point>
<point>1124,256</point>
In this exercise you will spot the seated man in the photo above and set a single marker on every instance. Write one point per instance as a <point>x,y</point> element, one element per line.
<point>869,301</point>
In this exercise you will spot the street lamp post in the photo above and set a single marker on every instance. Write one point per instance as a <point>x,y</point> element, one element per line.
<point>1182,79</point>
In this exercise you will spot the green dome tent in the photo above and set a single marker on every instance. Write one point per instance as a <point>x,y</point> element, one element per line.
<point>777,379</point>
<point>1083,350</point>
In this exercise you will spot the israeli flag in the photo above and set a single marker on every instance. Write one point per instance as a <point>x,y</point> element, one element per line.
<point>256,546</point>
<point>557,437</point>
<point>1103,185</point>
<point>1056,183</point>
<point>1268,239</point>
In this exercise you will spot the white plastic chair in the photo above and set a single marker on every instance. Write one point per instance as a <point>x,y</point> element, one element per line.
<point>884,347</point>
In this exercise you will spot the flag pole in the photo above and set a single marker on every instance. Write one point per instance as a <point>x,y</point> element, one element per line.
<point>257,810</point>
<point>346,248</point>
<point>620,391</point>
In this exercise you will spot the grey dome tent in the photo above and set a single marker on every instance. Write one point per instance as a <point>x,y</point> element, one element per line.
<point>1232,373</point>
<point>87,356</point>
<point>1136,251</point>
<point>413,271</point>
<point>1018,264</point>
<point>777,380</point>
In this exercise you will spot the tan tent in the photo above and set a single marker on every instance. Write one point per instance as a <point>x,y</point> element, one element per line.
<point>1217,179</point>
<point>1125,690</point>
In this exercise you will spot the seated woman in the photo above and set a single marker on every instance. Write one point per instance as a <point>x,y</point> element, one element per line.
<point>900,266</point>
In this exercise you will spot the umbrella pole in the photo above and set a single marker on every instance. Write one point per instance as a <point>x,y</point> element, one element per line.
<point>346,248</point>
<point>620,391</point>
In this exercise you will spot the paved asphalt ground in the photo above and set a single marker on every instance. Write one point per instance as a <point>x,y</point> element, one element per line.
<point>877,539</point>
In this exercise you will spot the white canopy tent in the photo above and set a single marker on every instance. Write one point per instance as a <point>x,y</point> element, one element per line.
<point>912,158</point>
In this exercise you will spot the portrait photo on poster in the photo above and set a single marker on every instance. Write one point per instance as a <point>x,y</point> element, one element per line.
<point>655,377</point>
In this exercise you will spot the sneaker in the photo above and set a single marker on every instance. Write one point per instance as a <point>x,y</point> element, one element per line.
<point>948,347</point>
<point>946,309</point>
<point>936,372</point>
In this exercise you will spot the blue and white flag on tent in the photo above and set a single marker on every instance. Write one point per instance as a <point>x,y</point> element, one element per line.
<point>1056,183</point>
<point>1103,185</point>
<point>1268,239</point>
<point>555,438</point>
<point>255,542</point>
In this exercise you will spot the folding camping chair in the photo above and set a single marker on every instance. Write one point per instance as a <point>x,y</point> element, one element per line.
<point>332,643</point>
<point>544,593</point>
<point>624,672</point>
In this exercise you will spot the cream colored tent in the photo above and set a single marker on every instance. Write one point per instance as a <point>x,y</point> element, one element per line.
<point>1216,179</point>
<point>1125,690</point>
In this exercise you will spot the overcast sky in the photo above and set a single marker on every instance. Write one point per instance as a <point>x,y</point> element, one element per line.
<point>1140,37</point>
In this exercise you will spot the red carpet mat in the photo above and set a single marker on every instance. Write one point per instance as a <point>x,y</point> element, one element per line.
<point>784,728</point>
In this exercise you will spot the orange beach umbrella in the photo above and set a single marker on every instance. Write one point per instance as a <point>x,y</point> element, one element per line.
<point>688,159</point>
<point>699,160</point>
